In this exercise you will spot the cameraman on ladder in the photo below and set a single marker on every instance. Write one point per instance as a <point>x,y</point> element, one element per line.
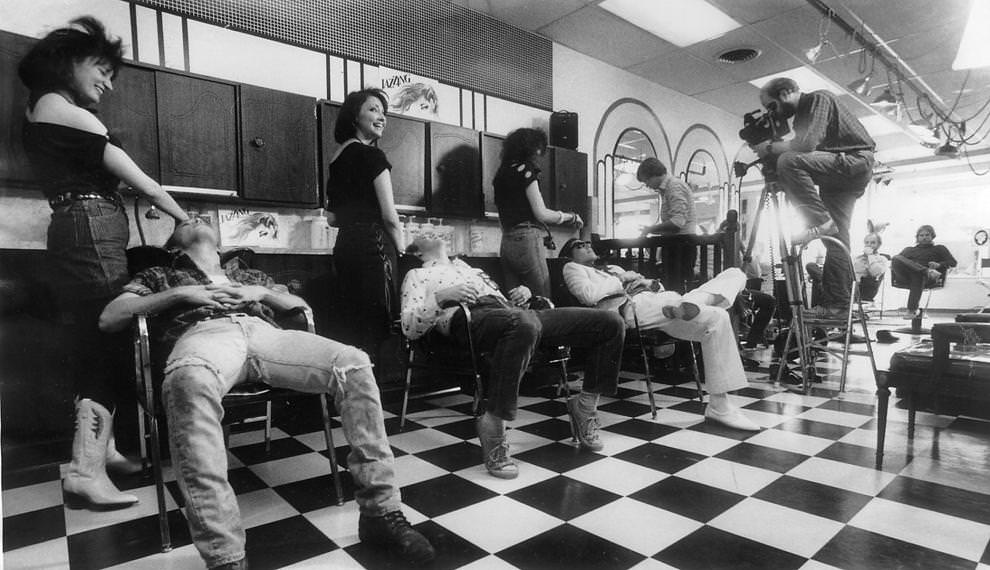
<point>830,149</point>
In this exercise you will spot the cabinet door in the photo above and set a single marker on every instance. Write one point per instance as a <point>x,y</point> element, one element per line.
<point>570,181</point>
<point>197,125</point>
<point>404,144</point>
<point>491,151</point>
<point>130,112</point>
<point>455,173</point>
<point>14,165</point>
<point>328,146</point>
<point>278,136</point>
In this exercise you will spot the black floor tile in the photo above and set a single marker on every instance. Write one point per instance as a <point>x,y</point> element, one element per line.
<point>552,429</point>
<point>625,408</point>
<point>549,408</point>
<point>623,393</point>
<point>849,407</point>
<point>280,449</point>
<point>712,549</point>
<point>940,498</point>
<point>317,492</point>
<point>686,391</point>
<point>752,392</point>
<point>392,425</point>
<point>457,456</point>
<point>123,542</point>
<point>688,498</point>
<point>780,408</point>
<point>857,549</point>
<point>464,429</point>
<point>563,497</point>
<point>567,547</point>
<point>14,478</point>
<point>284,542</point>
<point>641,429</point>
<point>864,456</point>
<point>559,457</point>
<point>763,457</point>
<point>452,551</point>
<point>33,527</point>
<point>721,430</point>
<point>810,497</point>
<point>818,429</point>
<point>243,480</point>
<point>660,457</point>
<point>441,495</point>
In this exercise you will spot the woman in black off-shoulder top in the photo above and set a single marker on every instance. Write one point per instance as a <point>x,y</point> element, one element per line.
<point>80,168</point>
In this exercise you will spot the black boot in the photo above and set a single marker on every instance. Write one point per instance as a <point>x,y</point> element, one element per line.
<point>394,532</point>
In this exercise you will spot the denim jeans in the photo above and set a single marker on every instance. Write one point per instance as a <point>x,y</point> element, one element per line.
<point>915,275</point>
<point>841,180</point>
<point>512,334</point>
<point>524,260</point>
<point>712,327</point>
<point>87,250</point>
<point>215,355</point>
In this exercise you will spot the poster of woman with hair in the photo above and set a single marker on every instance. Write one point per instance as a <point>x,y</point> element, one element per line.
<point>410,95</point>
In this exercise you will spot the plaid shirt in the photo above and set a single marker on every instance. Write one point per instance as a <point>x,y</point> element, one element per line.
<point>822,123</point>
<point>172,323</point>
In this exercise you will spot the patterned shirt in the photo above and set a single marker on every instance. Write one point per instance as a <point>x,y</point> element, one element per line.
<point>822,123</point>
<point>420,310</point>
<point>677,205</point>
<point>173,322</point>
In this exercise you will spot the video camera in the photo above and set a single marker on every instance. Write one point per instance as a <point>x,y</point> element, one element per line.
<point>760,127</point>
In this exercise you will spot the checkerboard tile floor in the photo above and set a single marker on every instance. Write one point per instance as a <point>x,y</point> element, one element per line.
<point>675,492</point>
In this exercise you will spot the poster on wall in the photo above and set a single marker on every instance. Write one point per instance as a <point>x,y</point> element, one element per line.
<point>409,94</point>
<point>241,227</point>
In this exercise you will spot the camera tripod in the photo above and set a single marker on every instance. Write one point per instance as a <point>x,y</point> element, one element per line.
<point>801,340</point>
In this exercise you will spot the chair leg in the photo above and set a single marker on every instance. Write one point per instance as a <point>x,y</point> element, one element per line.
<point>268,427</point>
<point>331,450</point>
<point>156,468</point>
<point>562,386</point>
<point>696,373</point>
<point>883,399</point>
<point>648,378</point>
<point>405,391</point>
<point>912,402</point>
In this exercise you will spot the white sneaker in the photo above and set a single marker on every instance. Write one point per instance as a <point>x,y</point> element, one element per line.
<point>734,419</point>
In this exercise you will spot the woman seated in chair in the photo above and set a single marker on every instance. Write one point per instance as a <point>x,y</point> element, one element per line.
<point>870,267</point>
<point>919,267</point>
<point>699,315</point>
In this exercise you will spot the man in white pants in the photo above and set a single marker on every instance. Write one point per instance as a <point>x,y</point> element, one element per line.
<point>699,315</point>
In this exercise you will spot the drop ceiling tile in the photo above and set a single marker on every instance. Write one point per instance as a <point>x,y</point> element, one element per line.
<point>752,11</point>
<point>683,72</point>
<point>738,99</point>
<point>595,32</point>
<point>525,14</point>
<point>891,19</point>
<point>770,60</point>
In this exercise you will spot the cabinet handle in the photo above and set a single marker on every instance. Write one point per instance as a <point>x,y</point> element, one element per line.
<point>257,142</point>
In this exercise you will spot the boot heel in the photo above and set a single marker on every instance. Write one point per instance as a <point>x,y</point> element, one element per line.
<point>78,502</point>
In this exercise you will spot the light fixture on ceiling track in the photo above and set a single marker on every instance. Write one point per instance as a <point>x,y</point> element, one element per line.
<point>861,86</point>
<point>815,51</point>
<point>885,100</point>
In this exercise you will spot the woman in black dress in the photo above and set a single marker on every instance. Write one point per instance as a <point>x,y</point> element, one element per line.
<point>80,169</point>
<point>360,203</point>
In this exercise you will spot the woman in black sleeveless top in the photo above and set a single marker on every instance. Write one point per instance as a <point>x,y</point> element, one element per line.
<point>360,203</point>
<point>522,214</point>
<point>80,167</point>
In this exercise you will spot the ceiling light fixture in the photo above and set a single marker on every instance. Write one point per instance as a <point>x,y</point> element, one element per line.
<point>696,21</point>
<point>861,86</point>
<point>948,149</point>
<point>885,100</point>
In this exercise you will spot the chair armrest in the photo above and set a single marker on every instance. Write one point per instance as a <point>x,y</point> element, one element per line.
<point>539,303</point>
<point>298,318</point>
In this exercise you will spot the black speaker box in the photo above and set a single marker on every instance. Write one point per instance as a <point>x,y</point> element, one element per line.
<point>564,129</point>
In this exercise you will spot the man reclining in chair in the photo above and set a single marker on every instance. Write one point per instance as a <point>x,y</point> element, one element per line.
<point>511,332</point>
<point>220,325</point>
<point>700,315</point>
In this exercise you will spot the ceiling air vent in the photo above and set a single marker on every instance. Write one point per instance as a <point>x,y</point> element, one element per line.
<point>738,55</point>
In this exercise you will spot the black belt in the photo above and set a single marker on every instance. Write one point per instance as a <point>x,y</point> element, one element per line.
<point>64,197</point>
<point>523,225</point>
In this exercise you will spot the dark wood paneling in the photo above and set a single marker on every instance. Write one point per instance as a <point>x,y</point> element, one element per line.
<point>197,124</point>
<point>278,135</point>
<point>455,173</point>
<point>570,181</point>
<point>14,164</point>
<point>404,143</point>
<point>545,164</point>
<point>491,150</point>
<point>130,112</point>
<point>327,114</point>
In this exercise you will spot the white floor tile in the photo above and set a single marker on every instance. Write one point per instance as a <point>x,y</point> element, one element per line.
<point>32,498</point>
<point>81,520</point>
<point>636,525</point>
<point>178,559</point>
<point>410,470</point>
<point>339,524</point>
<point>937,531</point>
<point>497,523</point>
<point>697,442</point>
<point>292,469</point>
<point>790,441</point>
<point>422,440</point>
<point>603,474</point>
<point>529,474</point>
<point>730,476</point>
<point>843,475</point>
<point>834,417</point>
<point>787,529</point>
<point>262,507</point>
<point>50,555</point>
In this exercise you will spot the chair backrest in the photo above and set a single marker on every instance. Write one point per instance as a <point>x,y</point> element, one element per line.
<point>899,284</point>
<point>559,293</point>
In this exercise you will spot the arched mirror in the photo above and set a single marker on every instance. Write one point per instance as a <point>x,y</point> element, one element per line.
<point>702,175</point>
<point>633,204</point>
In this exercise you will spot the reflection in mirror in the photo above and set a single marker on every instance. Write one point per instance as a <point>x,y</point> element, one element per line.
<point>703,177</point>
<point>633,204</point>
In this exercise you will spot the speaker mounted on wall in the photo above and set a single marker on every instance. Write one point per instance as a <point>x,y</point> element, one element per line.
<point>564,129</point>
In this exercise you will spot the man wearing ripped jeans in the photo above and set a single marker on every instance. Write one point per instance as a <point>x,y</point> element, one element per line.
<point>219,323</point>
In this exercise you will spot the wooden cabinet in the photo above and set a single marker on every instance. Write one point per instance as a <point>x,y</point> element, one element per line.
<point>130,112</point>
<point>197,132</point>
<point>455,171</point>
<point>278,139</point>
<point>404,144</point>
<point>568,181</point>
<point>14,166</point>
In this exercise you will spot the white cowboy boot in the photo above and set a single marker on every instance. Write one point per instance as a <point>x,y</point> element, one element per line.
<point>86,484</point>
<point>117,462</point>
